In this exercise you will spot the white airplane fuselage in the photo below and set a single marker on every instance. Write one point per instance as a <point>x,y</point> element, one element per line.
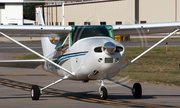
<point>88,59</point>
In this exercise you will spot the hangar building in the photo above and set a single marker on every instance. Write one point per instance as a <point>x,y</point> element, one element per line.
<point>112,12</point>
<point>11,14</point>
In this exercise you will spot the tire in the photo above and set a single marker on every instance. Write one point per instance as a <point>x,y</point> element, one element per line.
<point>137,93</point>
<point>103,93</point>
<point>35,92</point>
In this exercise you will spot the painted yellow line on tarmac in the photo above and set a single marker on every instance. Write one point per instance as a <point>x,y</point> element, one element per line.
<point>77,96</point>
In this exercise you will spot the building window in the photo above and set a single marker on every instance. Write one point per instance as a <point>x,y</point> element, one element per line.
<point>57,23</point>
<point>71,23</point>
<point>2,5</point>
<point>118,22</point>
<point>12,24</point>
<point>87,23</point>
<point>52,23</point>
<point>143,22</point>
<point>102,23</point>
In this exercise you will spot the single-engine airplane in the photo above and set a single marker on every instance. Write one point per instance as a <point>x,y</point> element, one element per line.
<point>83,53</point>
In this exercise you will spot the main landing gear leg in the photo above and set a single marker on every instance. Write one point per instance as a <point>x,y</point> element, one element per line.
<point>103,91</point>
<point>136,90</point>
<point>36,92</point>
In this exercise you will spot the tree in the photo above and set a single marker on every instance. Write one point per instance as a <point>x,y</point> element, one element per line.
<point>29,10</point>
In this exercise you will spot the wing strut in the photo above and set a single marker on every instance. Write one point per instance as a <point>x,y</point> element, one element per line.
<point>37,54</point>
<point>150,49</point>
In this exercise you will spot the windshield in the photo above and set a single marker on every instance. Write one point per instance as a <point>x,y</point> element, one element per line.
<point>80,32</point>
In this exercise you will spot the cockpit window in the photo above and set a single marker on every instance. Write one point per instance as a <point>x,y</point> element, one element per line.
<point>64,46</point>
<point>80,32</point>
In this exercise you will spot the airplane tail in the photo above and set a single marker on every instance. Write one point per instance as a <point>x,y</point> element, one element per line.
<point>47,47</point>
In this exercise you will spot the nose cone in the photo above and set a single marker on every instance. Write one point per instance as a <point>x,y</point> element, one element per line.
<point>109,47</point>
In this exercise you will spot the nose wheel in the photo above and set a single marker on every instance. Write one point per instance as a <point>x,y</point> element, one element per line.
<point>103,93</point>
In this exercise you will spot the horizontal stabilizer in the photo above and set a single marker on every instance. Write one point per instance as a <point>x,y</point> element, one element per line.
<point>22,63</point>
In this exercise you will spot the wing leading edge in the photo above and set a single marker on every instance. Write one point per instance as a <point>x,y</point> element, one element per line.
<point>22,63</point>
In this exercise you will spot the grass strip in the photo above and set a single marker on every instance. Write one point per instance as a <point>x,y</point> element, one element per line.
<point>157,66</point>
<point>26,57</point>
<point>153,39</point>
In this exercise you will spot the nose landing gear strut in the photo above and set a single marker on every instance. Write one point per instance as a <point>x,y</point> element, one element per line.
<point>103,91</point>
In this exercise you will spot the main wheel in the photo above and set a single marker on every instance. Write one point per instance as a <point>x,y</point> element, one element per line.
<point>35,92</point>
<point>103,93</point>
<point>137,92</point>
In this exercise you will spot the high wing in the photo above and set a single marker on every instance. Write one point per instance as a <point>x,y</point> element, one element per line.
<point>22,63</point>
<point>149,28</point>
<point>35,31</point>
<point>61,31</point>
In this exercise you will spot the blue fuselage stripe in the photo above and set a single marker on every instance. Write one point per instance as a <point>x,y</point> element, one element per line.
<point>63,58</point>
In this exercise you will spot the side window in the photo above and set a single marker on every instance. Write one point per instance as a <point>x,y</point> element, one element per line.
<point>64,46</point>
<point>66,42</point>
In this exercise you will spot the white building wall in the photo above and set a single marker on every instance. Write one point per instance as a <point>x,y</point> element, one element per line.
<point>178,10</point>
<point>12,14</point>
<point>153,11</point>
<point>108,12</point>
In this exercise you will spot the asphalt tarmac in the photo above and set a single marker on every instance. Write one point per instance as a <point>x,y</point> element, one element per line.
<point>14,48</point>
<point>15,87</point>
